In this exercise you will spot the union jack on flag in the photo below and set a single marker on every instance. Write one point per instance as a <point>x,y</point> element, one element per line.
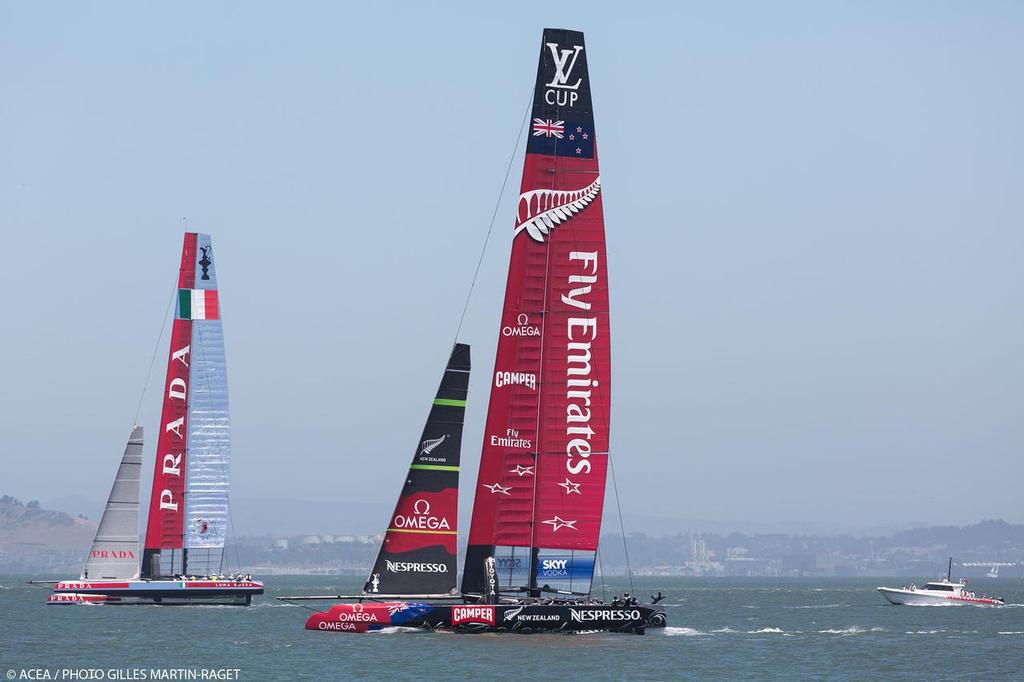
<point>548,128</point>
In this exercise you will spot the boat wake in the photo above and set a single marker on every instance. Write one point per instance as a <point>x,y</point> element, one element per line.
<point>852,630</point>
<point>683,632</point>
<point>769,630</point>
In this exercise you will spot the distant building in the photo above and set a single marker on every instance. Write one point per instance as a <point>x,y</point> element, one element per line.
<point>702,558</point>
<point>751,567</point>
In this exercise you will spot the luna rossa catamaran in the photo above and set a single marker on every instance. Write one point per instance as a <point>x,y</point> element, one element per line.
<point>539,495</point>
<point>182,561</point>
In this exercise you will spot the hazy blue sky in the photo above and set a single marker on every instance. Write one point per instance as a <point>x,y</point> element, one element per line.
<point>814,217</point>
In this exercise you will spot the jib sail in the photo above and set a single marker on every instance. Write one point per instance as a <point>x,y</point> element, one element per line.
<point>115,549</point>
<point>540,491</point>
<point>418,555</point>
<point>188,509</point>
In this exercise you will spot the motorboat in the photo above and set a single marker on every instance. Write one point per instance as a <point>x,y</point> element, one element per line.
<point>942,592</point>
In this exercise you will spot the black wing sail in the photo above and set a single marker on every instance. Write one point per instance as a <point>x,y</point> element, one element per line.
<point>418,554</point>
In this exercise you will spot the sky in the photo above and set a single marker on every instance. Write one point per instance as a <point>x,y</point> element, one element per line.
<point>813,214</point>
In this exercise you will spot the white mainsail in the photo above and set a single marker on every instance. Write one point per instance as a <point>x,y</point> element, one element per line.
<point>208,468</point>
<point>115,549</point>
<point>209,444</point>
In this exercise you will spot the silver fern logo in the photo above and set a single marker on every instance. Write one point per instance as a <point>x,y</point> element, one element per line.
<point>431,444</point>
<point>510,614</point>
<point>541,210</point>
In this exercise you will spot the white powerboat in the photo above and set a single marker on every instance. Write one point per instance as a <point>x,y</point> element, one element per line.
<point>942,592</point>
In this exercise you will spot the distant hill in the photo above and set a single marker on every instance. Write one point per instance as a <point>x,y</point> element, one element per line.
<point>27,525</point>
<point>915,552</point>
<point>991,536</point>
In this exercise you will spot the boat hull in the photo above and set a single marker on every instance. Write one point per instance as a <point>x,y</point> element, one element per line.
<point>523,618</point>
<point>163,592</point>
<point>903,597</point>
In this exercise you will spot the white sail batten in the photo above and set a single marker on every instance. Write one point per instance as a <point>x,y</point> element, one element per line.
<point>115,549</point>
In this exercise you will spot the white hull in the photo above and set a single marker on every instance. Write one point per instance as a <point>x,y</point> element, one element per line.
<point>930,598</point>
<point>166,592</point>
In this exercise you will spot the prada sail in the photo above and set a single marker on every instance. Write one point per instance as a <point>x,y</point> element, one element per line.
<point>540,491</point>
<point>418,555</point>
<point>188,510</point>
<point>115,549</point>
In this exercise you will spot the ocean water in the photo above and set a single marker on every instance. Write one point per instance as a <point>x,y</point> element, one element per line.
<point>732,629</point>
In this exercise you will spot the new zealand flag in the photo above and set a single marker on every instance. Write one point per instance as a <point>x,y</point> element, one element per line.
<point>408,612</point>
<point>561,138</point>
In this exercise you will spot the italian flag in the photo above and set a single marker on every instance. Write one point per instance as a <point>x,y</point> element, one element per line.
<point>198,304</point>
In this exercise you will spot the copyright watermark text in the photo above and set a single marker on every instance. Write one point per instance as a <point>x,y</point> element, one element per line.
<point>123,674</point>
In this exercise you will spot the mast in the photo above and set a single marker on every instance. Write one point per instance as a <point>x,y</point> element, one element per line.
<point>540,492</point>
<point>188,508</point>
<point>115,549</point>
<point>418,554</point>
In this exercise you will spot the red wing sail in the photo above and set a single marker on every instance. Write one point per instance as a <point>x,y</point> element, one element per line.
<point>576,393</point>
<point>165,529</point>
<point>542,469</point>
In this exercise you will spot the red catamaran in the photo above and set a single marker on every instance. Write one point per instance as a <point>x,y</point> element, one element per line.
<point>188,507</point>
<point>540,491</point>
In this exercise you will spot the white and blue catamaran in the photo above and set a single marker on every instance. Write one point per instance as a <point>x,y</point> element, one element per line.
<point>182,561</point>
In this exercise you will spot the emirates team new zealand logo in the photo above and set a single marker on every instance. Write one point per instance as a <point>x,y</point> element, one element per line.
<point>205,262</point>
<point>541,210</point>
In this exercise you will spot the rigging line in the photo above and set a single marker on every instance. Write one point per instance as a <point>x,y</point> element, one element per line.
<point>156,349</point>
<point>600,565</point>
<point>622,528</point>
<point>234,540</point>
<point>494,215</point>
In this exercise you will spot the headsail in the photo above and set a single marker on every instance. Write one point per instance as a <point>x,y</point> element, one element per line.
<point>115,550</point>
<point>418,555</point>
<point>188,509</point>
<point>540,491</point>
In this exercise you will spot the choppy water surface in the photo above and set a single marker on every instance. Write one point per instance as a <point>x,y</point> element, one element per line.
<point>719,629</point>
